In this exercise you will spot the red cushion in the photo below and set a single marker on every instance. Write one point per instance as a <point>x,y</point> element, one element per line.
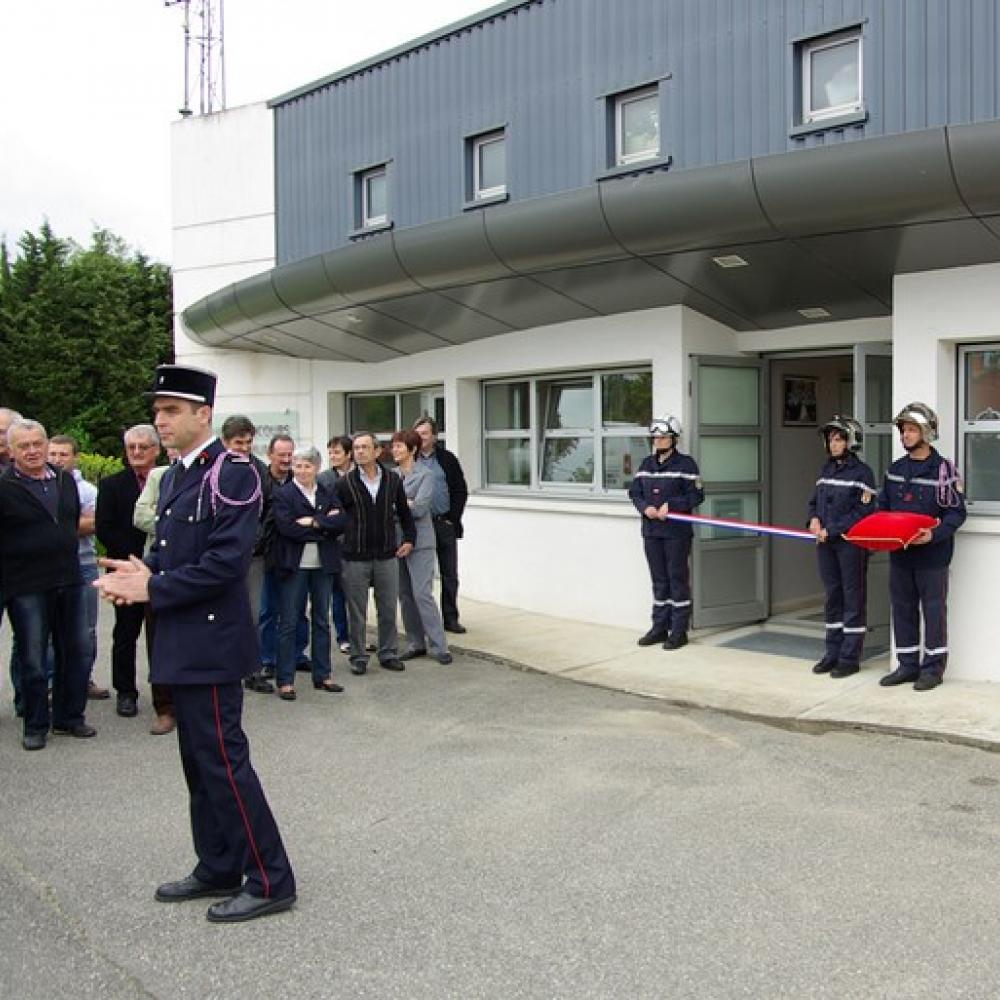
<point>888,530</point>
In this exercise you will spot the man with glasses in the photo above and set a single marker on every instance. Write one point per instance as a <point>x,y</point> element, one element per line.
<point>116,497</point>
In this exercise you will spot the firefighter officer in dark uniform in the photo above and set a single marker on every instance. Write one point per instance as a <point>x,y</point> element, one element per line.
<point>195,580</point>
<point>923,482</point>
<point>667,481</point>
<point>845,492</point>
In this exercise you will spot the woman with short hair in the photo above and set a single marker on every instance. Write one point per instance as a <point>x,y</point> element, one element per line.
<point>307,559</point>
<point>421,618</point>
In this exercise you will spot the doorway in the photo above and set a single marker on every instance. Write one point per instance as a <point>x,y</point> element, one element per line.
<point>806,391</point>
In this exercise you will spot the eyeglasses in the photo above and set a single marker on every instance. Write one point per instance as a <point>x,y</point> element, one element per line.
<point>139,447</point>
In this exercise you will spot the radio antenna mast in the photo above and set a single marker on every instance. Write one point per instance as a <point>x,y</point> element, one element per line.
<point>206,32</point>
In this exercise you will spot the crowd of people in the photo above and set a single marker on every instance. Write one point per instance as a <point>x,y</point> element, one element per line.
<point>201,550</point>
<point>381,518</point>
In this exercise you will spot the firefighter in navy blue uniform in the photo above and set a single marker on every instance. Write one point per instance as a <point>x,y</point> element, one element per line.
<point>195,580</point>
<point>667,481</point>
<point>922,482</point>
<point>845,493</point>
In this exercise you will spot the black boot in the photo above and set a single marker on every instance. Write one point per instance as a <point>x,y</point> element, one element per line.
<point>652,637</point>
<point>676,640</point>
<point>824,666</point>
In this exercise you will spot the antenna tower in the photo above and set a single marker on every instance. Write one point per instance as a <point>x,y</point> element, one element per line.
<point>203,28</point>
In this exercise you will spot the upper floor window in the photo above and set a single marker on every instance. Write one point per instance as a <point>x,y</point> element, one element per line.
<point>832,79</point>
<point>584,432</point>
<point>637,125</point>
<point>979,427</point>
<point>489,165</point>
<point>373,198</point>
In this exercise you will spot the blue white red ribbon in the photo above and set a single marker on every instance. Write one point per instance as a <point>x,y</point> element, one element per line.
<point>752,526</point>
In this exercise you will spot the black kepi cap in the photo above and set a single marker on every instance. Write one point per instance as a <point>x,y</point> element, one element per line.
<point>184,382</point>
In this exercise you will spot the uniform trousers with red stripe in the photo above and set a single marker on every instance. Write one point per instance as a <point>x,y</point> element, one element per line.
<point>235,835</point>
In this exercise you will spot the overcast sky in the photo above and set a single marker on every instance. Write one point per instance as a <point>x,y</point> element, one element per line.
<point>89,90</point>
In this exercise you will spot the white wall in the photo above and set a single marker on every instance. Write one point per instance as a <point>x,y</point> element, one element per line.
<point>223,231</point>
<point>933,313</point>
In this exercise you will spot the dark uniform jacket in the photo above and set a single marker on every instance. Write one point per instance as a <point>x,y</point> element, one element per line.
<point>676,482</point>
<point>116,497</point>
<point>38,552</point>
<point>844,494</point>
<point>199,559</point>
<point>288,505</point>
<point>931,486</point>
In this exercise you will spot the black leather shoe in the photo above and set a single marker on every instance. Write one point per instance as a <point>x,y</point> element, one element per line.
<point>844,670</point>
<point>258,683</point>
<point>245,907</point>
<point>192,888</point>
<point>445,658</point>
<point>128,705</point>
<point>392,665</point>
<point>359,668</point>
<point>413,654</point>
<point>652,637</point>
<point>328,685</point>
<point>824,666</point>
<point>898,676</point>
<point>80,731</point>
<point>456,628</point>
<point>267,671</point>
<point>33,741</point>
<point>927,681</point>
<point>676,641</point>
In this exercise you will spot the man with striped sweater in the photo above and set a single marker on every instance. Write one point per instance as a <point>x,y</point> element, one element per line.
<point>372,497</point>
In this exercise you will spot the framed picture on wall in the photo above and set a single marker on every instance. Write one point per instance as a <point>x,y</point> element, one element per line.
<point>799,401</point>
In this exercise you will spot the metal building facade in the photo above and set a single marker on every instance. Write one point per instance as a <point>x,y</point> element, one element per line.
<point>544,70</point>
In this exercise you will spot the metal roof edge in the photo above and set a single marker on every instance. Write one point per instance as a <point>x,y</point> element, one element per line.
<point>434,36</point>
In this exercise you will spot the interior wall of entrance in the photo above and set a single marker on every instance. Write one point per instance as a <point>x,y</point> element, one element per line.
<point>804,393</point>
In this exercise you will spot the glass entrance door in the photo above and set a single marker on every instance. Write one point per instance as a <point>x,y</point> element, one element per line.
<point>873,409</point>
<point>729,444</point>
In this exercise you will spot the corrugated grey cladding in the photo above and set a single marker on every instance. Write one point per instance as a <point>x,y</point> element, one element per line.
<point>542,70</point>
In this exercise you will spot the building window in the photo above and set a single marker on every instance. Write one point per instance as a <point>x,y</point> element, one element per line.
<point>489,165</point>
<point>574,433</point>
<point>372,198</point>
<point>832,79</point>
<point>384,413</point>
<point>979,428</point>
<point>637,126</point>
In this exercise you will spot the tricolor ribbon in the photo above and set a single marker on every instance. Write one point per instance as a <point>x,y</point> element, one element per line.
<point>733,525</point>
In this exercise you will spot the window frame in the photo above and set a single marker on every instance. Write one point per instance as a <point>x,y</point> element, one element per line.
<point>810,117</point>
<point>365,219</point>
<point>434,392</point>
<point>476,145</point>
<point>971,427</point>
<point>619,101</point>
<point>537,434</point>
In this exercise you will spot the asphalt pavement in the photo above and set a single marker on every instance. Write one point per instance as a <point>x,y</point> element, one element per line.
<point>483,830</point>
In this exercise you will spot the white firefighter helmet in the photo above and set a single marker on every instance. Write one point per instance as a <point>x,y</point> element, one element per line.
<point>851,430</point>
<point>665,425</point>
<point>921,415</point>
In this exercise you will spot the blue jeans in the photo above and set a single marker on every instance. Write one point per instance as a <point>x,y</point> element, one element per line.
<point>91,602</point>
<point>315,584</point>
<point>338,606</point>
<point>58,615</point>
<point>268,624</point>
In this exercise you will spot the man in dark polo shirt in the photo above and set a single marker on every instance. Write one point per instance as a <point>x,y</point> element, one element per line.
<point>42,585</point>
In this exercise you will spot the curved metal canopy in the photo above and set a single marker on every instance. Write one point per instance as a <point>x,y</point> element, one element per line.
<point>825,227</point>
